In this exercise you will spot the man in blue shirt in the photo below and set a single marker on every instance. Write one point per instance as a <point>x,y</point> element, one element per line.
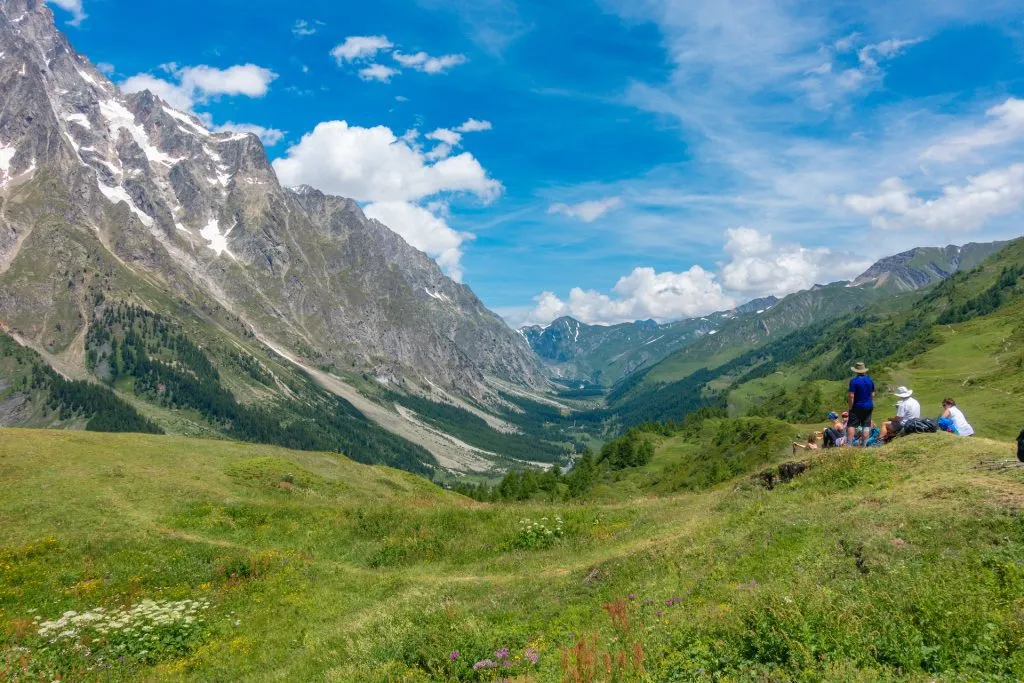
<point>862,404</point>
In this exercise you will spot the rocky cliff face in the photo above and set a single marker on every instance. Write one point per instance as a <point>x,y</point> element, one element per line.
<point>93,181</point>
<point>923,266</point>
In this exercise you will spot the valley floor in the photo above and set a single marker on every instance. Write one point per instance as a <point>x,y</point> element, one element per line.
<point>895,563</point>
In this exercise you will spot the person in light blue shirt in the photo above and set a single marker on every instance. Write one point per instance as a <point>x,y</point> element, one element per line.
<point>861,395</point>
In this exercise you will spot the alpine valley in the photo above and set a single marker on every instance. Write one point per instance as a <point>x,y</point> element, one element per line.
<point>248,433</point>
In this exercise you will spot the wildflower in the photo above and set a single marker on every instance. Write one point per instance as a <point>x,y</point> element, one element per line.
<point>532,655</point>
<point>502,653</point>
<point>484,664</point>
<point>632,596</point>
<point>454,655</point>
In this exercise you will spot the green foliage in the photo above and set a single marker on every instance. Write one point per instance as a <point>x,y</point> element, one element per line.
<point>105,411</point>
<point>166,367</point>
<point>988,301</point>
<point>537,534</point>
<point>632,449</point>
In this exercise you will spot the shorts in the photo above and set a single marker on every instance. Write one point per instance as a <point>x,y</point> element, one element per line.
<point>860,418</point>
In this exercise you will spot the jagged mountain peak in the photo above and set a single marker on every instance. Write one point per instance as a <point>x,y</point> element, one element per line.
<point>919,267</point>
<point>203,214</point>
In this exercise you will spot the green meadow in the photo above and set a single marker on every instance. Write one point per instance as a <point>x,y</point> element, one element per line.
<point>899,563</point>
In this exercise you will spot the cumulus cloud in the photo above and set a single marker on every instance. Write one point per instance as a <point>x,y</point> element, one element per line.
<point>360,48</point>
<point>474,126</point>
<point>588,212</point>
<point>269,136</point>
<point>757,267</point>
<point>958,208</point>
<point>198,84</point>
<point>372,164</point>
<point>377,72</point>
<point>78,14</point>
<point>642,294</point>
<point>424,230</point>
<point>421,61</point>
<point>1006,126</point>
<point>392,174</point>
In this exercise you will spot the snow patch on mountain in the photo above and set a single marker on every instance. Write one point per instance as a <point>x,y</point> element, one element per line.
<point>217,241</point>
<point>118,117</point>
<point>80,119</point>
<point>119,194</point>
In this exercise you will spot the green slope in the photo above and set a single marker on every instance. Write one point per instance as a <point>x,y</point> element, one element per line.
<point>897,563</point>
<point>894,336</point>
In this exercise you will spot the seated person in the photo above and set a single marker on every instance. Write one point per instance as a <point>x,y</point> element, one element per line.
<point>835,435</point>
<point>906,408</point>
<point>951,412</point>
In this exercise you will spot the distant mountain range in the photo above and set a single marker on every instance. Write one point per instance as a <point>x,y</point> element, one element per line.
<point>606,354</point>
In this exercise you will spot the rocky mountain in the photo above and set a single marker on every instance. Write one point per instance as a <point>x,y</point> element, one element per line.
<point>98,189</point>
<point>923,266</point>
<point>604,354</point>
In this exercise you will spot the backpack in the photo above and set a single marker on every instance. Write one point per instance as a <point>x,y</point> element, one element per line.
<point>918,425</point>
<point>947,425</point>
<point>1020,446</point>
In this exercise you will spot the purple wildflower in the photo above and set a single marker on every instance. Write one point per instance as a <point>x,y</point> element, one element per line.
<point>668,603</point>
<point>506,663</point>
<point>484,664</point>
<point>501,654</point>
<point>454,655</point>
<point>532,655</point>
<point>661,612</point>
<point>632,596</point>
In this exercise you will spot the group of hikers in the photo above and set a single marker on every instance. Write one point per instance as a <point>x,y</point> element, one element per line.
<point>855,426</point>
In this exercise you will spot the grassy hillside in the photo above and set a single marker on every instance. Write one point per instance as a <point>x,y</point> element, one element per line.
<point>896,563</point>
<point>960,338</point>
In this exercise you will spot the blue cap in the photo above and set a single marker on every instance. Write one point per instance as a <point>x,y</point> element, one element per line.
<point>832,415</point>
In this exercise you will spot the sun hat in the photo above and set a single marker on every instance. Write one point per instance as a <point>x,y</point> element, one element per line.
<point>903,392</point>
<point>860,368</point>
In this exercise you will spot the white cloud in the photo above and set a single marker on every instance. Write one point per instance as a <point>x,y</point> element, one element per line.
<point>588,212</point>
<point>198,84</point>
<point>449,137</point>
<point>78,14</point>
<point>424,230</point>
<point>421,61</point>
<point>303,28</point>
<point>269,136</point>
<point>959,208</point>
<point>474,126</point>
<point>105,68</point>
<point>171,93</point>
<point>360,48</point>
<point>642,294</point>
<point>1006,126</point>
<point>372,164</point>
<point>758,268</point>
<point>377,72</point>
<point>392,174</point>
<point>832,82</point>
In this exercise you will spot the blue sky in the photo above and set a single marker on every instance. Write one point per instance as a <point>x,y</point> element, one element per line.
<point>613,159</point>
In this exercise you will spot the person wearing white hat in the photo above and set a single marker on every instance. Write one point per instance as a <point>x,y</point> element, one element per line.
<point>907,408</point>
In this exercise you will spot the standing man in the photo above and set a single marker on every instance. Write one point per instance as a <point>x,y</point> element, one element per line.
<point>862,403</point>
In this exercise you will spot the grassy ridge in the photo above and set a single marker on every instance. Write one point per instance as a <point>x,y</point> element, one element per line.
<point>894,563</point>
